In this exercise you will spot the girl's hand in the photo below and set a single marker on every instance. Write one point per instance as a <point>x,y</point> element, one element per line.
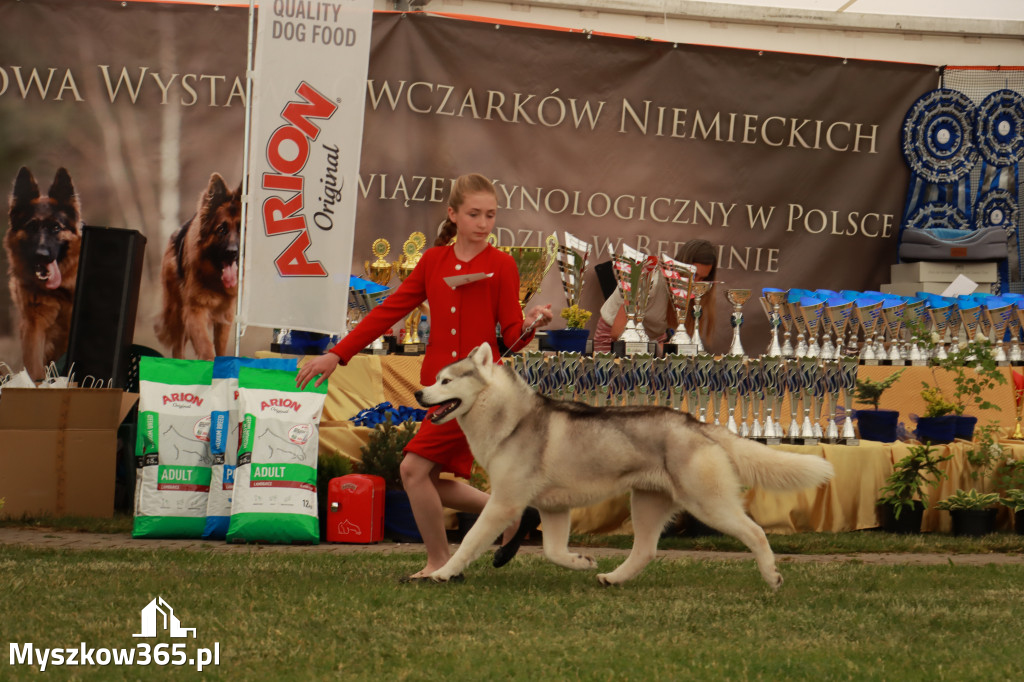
<point>537,316</point>
<point>324,365</point>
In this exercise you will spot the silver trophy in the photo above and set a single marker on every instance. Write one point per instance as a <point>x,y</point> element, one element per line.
<point>677,366</point>
<point>810,385</point>
<point>868,318</point>
<point>773,299</point>
<point>755,382</point>
<point>737,297</point>
<point>1015,353</point>
<point>679,280</point>
<point>970,317</point>
<point>634,279</point>
<point>703,367</point>
<point>839,321</point>
<point>893,316</point>
<point>771,369</point>
<point>699,289</point>
<point>604,363</point>
<point>812,315</point>
<point>940,317</point>
<point>914,317</point>
<point>833,385</point>
<point>848,378</point>
<point>999,318</point>
<point>794,377</point>
<point>796,314</point>
<point>731,379</point>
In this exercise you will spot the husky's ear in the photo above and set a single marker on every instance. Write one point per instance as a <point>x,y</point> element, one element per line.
<point>482,356</point>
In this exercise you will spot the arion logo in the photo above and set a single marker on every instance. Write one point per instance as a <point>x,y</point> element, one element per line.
<point>158,614</point>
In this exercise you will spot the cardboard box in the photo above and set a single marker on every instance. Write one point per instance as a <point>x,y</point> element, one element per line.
<point>58,449</point>
<point>942,271</point>
<point>911,288</point>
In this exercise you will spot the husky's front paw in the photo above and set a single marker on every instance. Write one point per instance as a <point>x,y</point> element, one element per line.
<point>439,577</point>
<point>606,579</point>
<point>580,562</point>
<point>774,581</point>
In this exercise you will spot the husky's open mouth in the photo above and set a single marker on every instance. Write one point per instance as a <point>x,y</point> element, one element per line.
<point>444,409</point>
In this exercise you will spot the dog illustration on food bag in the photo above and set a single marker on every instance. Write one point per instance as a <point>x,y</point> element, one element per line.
<point>43,242</point>
<point>200,275</point>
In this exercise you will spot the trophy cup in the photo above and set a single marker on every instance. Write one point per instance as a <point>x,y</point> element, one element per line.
<point>533,263</point>
<point>848,366</point>
<point>970,316</point>
<point>914,318</point>
<point>703,366</point>
<point>661,391</point>
<point>699,289</point>
<point>796,314</point>
<point>770,372</point>
<point>379,272</point>
<point>810,383</point>
<point>641,371</point>
<point>690,386</point>
<point>772,300</point>
<point>1016,355</point>
<point>737,297</point>
<point>999,318</point>
<point>812,313</point>
<point>941,317</point>
<point>407,260</point>
<point>679,279</point>
<point>892,313</point>
<point>755,383</point>
<point>839,320</point>
<point>794,388</point>
<point>731,381</point>
<point>677,372</point>
<point>868,316</point>
<point>585,382</point>
<point>832,387</point>
<point>604,364</point>
<point>634,279</point>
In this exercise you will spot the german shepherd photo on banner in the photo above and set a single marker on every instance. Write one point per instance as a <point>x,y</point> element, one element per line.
<point>43,242</point>
<point>200,275</point>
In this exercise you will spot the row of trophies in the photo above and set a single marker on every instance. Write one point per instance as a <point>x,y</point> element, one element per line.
<point>746,395</point>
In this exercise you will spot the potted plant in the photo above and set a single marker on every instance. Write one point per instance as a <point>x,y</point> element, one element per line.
<point>876,424</point>
<point>903,498</point>
<point>973,513</point>
<point>574,337</point>
<point>974,370</point>
<point>1014,499</point>
<point>382,456</point>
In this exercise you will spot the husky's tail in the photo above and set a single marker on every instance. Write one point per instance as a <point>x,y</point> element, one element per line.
<point>761,466</point>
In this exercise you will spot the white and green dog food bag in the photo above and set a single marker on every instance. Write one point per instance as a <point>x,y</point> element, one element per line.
<point>274,498</point>
<point>173,473</point>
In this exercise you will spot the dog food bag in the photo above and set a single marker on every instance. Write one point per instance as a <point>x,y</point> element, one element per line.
<point>173,475</point>
<point>274,496</point>
<point>225,433</point>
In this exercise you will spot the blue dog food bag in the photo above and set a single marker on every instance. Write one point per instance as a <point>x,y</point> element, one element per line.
<point>173,461</point>
<point>274,496</point>
<point>225,433</point>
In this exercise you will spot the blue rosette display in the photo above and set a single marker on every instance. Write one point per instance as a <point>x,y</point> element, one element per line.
<point>1000,140</point>
<point>939,148</point>
<point>378,414</point>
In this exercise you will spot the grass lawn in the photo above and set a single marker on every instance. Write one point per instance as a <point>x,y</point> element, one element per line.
<point>318,616</point>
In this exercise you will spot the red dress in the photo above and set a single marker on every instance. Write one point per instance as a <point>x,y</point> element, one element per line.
<point>460,320</point>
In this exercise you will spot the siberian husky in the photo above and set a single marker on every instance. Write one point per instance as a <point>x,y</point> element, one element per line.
<point>556,455</point>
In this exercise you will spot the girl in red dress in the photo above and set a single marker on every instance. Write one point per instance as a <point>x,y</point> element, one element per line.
<point>462,318</point>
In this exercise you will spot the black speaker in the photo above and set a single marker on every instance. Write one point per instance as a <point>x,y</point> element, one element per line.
<point>606,278</point>
<point>106,300</point>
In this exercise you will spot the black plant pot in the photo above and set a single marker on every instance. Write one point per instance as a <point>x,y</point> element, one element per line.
<point>399,523</point>
<point>965,427</point>
<point>936,429</point>
<point>973,522</point>
<point>909,521</point>
<point>1018,522</point>
<point>878,425</point>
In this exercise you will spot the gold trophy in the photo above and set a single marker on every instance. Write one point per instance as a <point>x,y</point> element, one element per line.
<point>533,263</point>
<point>407,260</point>
<point>378,272</point>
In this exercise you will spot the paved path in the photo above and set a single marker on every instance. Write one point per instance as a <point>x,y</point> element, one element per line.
<point>72,540</point>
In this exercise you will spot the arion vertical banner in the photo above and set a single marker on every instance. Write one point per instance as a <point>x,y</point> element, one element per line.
<point>309,85</point>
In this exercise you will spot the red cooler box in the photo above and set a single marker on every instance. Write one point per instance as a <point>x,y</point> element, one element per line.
<point>355,508</point>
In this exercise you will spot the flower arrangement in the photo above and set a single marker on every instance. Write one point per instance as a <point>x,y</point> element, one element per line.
<point>575,317</point>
